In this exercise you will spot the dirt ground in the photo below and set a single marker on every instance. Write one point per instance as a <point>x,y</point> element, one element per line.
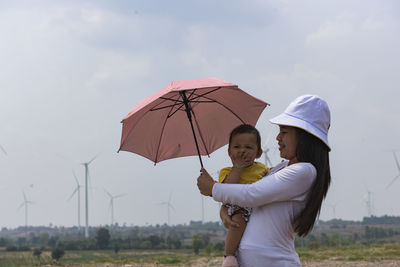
<point>205,262</point>
<point>330,263</point>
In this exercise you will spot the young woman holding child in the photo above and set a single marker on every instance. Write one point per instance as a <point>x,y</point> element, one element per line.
<point>288,200</point>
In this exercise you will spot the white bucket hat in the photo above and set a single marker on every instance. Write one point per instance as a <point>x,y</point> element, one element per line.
<point>310,113</point>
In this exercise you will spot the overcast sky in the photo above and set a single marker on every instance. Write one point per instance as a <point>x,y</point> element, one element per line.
<point>71,70</point>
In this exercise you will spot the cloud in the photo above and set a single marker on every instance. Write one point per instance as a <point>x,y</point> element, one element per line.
<point>72,69</point>
<point>333,31</point>
<point>114,70</point>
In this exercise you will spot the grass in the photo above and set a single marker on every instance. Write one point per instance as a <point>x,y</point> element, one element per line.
<point>91,258</point>
<point>353,253</point>
<point>184,257</point>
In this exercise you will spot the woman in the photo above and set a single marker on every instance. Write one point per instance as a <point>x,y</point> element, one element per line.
<point>288,200</point>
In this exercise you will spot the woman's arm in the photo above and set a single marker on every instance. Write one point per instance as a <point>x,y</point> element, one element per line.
<point>287,184</point>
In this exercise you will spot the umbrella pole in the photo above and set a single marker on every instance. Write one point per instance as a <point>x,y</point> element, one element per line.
<point>189,115</point>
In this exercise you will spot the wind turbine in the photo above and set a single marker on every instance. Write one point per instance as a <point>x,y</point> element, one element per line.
<point>266,158</point>
<point>86,165</point>
<point>112,204</point>
<point>78,192</point>
<point>398,168</point>
<point>368,203</point>
<point>25,203</point>
<point>169,206</point>
<point>266,149</point>
<point>333,206</point>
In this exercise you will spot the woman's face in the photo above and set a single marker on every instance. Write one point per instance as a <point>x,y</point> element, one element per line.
<point>287,141</point>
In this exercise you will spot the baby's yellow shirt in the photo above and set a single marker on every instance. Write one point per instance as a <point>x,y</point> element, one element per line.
<point>248,175</point>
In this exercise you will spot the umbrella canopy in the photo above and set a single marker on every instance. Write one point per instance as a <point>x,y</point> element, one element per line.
<point>186,118</point>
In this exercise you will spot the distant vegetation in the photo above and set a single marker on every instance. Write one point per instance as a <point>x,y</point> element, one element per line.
<point>194,236</point>
<point>337,233</point>
<point>382,220</point>
<point>197,237</point>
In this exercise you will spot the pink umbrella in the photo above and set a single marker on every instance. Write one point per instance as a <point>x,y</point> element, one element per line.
<point>164,125</point>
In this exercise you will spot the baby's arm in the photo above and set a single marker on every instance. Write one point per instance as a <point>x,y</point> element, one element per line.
<point>233,176</point>
<point>238,163</point>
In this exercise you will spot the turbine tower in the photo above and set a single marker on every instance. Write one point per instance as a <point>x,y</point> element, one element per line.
<point>169,206</point>
<point>398,168</point>
<point>112,204</point>
<point>25,203</point>
<point>266,149</point>
<point>266,157</point>
<point>333,206</point>
<point>78,192</point>
<point>86,165</point>
<point>368,203</point>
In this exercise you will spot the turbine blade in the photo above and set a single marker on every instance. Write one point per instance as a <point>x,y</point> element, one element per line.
<point>394,179</point>
<point>73,193</point>
<point>397,162</point>
<point>20,206</point>
<point>268,139</point>
<point>90,161</point>
<point>270,163</point>
<point>172,207</point>
<point>121,195</point>
<point>108,193</point>
<point>76,179</point>
<point>2,149</point>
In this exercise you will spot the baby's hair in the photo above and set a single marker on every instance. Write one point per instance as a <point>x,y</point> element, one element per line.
<point>246,128</point>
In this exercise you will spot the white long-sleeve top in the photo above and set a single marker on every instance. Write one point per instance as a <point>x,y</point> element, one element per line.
<point>276,199</point>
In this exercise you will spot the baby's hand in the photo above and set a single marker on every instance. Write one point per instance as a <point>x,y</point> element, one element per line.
<point>240,161</point>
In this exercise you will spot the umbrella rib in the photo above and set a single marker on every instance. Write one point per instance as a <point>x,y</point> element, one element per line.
<point>176,110</point>
<point>201,135</point>
<point>152,109</point>
<point>164,107</point>
<point>159,140</point>
<point>201,95</point>
<point>163,127</point>
<point>215,101</point>
<point>195,119</point>
<point>189,97</point>
<point>209,100</point>
<point>167,99</point>
<point>202,101</point>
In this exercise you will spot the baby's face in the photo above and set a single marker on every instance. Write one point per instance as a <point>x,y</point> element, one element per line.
<point>244,145</point>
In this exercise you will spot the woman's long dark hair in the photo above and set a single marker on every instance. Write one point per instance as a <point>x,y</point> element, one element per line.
<point>313,150</point>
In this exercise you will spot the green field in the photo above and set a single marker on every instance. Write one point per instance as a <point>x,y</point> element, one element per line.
<point>338,255</point>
